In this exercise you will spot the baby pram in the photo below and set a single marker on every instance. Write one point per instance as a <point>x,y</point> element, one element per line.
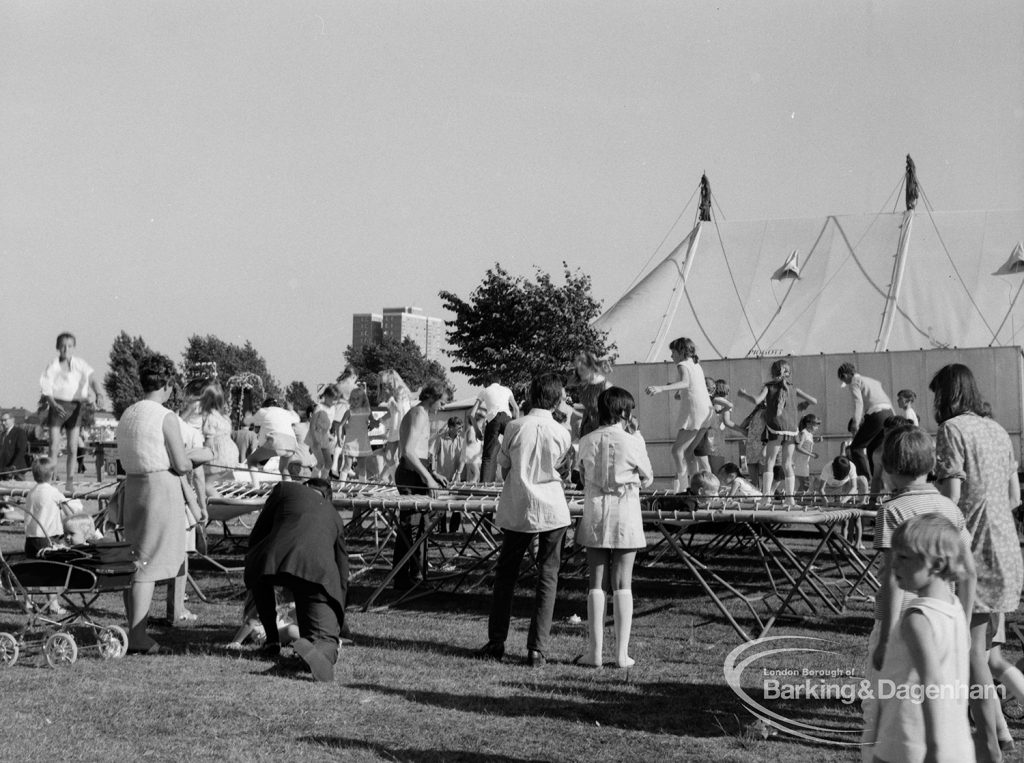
<point>78,576</point>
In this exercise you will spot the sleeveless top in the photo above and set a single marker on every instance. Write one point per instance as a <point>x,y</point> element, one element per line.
<point>140,438</point>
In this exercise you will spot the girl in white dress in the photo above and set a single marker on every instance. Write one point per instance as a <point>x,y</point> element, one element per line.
<point>927,651</point>
<point>357,423</point>
<point>614,465</point>
<point>697,411</point>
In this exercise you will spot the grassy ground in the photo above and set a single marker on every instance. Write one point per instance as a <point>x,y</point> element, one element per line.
<point>409,689</point>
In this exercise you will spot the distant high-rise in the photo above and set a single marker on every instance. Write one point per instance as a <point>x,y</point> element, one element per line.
<point>397,323</point>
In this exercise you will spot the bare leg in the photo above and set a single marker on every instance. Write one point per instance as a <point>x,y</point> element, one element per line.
<point>72,456</point>
<point>987,707</point>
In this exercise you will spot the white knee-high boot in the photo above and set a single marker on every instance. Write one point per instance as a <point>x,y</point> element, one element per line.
<point>623,615</point>
<point>595,626</point>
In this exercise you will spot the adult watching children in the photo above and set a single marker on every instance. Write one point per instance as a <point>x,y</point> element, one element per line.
<point>14,460</point>
<point>152,452</point>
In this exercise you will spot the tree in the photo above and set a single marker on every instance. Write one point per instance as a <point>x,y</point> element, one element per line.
<point>512,329</point>
<point>298,395</point>
<point>404,356</point>
<point>122,380</point>
<point>230,359</point>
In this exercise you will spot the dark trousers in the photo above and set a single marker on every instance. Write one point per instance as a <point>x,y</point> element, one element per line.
<point>492,432</point>
<point>549,559</point>
<point>318,617</point>
<point>409,482</point>
<point>869,436</point>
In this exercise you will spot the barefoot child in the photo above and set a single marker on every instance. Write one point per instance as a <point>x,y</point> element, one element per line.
<point>614,466</point>
<point>927,657</point>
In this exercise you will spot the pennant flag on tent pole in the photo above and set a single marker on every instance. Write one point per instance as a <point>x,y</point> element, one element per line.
<point>912,189</point>
<point>1015,264</point>
<point>791,268</point>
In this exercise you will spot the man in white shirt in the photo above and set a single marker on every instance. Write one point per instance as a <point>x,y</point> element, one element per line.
<point>65,384</point>
<point>871,409</point>
<point>499,406</point>
<point>276,436</point>
<point>532,505</point>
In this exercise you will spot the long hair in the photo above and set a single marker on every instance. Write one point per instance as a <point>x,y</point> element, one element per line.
<point>212,399</point>
<point>395,385</point>
<point>955,392</point>
<point>685,347</point>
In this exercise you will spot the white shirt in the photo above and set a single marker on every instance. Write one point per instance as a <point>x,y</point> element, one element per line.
<point>828,477</point>
<point>42,511</point>
<point>496,399</point>
<point>532,499</point>
<point>72,384</point>
<point>274,420</point>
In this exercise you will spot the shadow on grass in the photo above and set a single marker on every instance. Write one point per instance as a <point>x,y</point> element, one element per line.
<point>408,754</point>
<point>683,709</point>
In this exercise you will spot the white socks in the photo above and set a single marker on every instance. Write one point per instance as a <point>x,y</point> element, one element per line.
<point>595,625</point>
<point>622,603</point>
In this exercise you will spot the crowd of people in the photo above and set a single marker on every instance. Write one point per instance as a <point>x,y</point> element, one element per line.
<point>951,562</point>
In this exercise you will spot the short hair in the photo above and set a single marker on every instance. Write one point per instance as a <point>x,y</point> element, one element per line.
<point>907,451</point>
<point>778,365</point>
<point>546,391</point>
<point>809,419</point>
<point>43,468</point>
<point>156,371</point>
<point>65,335</point>
<point>614,405</point>
<point>270,402</point>
<point>329,391</point>
<point>322,486</point>
<point>431,391</point>
<point>955,391</point>
<point>730,468</point>
<point>704,481</point>
<point>933,537</point>
<point>685,347</point>
<point>907,394</point>
<point>847,369</point>
<point>454,421</point>
<point>721,388</point>
<point>840,467</point>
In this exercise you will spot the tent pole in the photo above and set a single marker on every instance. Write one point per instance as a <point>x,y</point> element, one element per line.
<point>658,346</point>
<point>893,298</point>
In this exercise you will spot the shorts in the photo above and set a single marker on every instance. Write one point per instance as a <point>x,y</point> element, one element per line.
<point>63,414</point>
<point>281,444</point>
<point>782,438</point>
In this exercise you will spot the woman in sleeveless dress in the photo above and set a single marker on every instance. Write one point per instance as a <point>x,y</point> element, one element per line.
<point>153,456</point>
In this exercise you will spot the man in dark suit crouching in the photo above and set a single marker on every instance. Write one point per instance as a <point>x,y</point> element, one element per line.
<point>298,543</point>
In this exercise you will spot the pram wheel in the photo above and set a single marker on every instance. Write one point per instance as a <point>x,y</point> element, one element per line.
<point>60,650</point>
<point>112,642</point>
<point>8,649</point>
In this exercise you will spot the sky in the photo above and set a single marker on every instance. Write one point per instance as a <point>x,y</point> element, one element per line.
<point>263,170</point>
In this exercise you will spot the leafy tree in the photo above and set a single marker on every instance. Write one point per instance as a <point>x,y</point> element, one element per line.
<point>404,356</point>
<point>298,395</point>
<point>230,359</point>
<point>512,328</point>
<point>122,380</point>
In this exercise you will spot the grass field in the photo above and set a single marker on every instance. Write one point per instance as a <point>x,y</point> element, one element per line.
<point>409,690</point>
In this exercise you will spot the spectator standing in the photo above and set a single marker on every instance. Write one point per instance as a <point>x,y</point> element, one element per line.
<point>14,458</point>
<point>532,505</point>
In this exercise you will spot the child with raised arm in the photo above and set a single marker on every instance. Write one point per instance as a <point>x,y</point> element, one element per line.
<point>908,455</point>
<point>614,465</point>
<point>927,662</point>
<point>780,398</point>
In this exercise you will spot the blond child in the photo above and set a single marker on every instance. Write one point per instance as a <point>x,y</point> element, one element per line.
<point>45,508</point>
<point>927,656</point>
<point>908,455</point>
